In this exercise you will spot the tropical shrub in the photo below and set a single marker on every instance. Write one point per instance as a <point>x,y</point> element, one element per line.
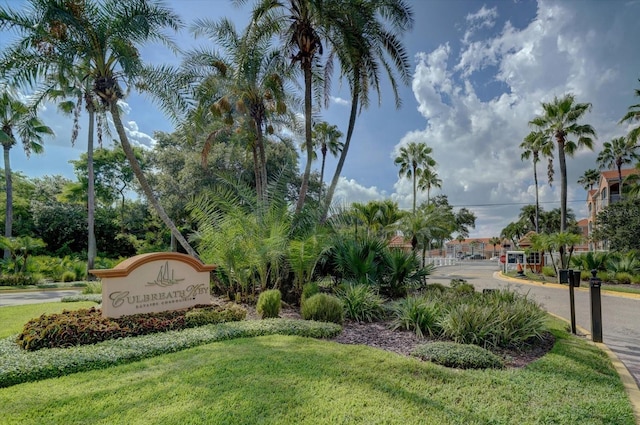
<point>94,287</point>
<point>269,304</point>
<point>323,308</point>
<point>590,261</point>
<point>68,276</point>
<point>417,314</point>
<point>624,263</point>
<point>18,280</point>
<point>358,260</point>
<point>461,356</point>
<point>87,326</point>
<point>361,303</point>
<point>548,271</point>
<point>401,273</point>
<point>470,324</point>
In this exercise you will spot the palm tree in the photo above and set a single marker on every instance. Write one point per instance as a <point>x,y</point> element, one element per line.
<point>413,159</point>
<point>533,145</point>
<point>617,152</point>
<point>633,115</point>
<point>17,121</point>
<point>106,35</point>
<point>460,239</point>
<point>589,178</point>
<point>364,47</point>
<point>247,79</point>
<point>428,179</point>
<point>494,241</point>
<point>560,120</point>
<point>328,137</point>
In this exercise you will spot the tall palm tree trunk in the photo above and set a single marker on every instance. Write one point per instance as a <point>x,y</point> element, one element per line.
<point>324,159</point>
<point>563,184</point>
<point>307,136</point>
<point>619,165</point>
<point>414,189</point>
<point>91,197</point>
<point>535,180</point>
<point>345,149</point>
<point>144,184</point>
<point>8,221</point>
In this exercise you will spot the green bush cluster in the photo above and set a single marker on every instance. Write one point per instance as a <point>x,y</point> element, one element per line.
<point>309,289</point>
<point>18,280</point>
<point>94,287</point>
<point>96,298</point>
<point>269,304</point>
<point>500,318</point>
<point>323,308</point>
<point>461,356</point>
<point>361,303</point>
<point>87,326</point>
<point>20,366</point>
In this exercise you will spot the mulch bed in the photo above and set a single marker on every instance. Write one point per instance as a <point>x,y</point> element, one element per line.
<point>380,335</point>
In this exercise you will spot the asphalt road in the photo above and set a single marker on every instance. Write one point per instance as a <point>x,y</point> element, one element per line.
<point>620,316</point>
<point>34,297</point>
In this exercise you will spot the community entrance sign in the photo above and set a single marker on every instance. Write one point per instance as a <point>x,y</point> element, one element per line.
<point>154,282</point>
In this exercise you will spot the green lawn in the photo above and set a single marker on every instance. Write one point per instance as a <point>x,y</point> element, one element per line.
<point>294,380</point>
<point>13,318</point>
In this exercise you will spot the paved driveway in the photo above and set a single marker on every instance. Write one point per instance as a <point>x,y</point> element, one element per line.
<point>34,297</point>
<point>620,316</point>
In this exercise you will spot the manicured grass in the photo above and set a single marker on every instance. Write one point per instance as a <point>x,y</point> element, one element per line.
<point>294,380</point>
<point>13,318</point>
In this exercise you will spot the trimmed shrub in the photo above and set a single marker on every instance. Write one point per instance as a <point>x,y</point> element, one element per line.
<point>435,287</point>
<point>470,324</point>
<point>623,277</point>
<point>361,303</point>
<point>269,304</point>
<point>417,314</point>
<point>323,308</point>
<point>96,298</point>
<point>18,280</point>
<point>308,290</point>
<point>94,287</point>
<point>206,316</point>
<point>635,279</point>
<point>465,289</point>
<point>604,276</point>
<point>462,356</point>
<point>68,276</point>
<point>548,271</point>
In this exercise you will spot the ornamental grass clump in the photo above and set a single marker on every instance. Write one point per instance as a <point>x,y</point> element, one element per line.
<point>417,314</point>
<point>323,308</point>
<point>461,356</point>
<point>269,304</point>
<point>361,303</point>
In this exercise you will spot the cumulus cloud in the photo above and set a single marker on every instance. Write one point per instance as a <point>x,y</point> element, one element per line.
<point>566,48</point>
<point>349,190</point>
<point>340,101</point>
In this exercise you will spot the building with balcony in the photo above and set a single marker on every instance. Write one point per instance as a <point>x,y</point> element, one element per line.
<point>606,193</point>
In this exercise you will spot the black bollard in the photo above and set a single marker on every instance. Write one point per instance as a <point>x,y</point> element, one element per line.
<point>572,302</point>
<point>596,308</point>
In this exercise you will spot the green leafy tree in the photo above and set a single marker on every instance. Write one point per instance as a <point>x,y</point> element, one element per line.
<point>413,160</point>
<point>105,35</point>
<point>18,122</point>
<point>616,153</point>
<point>618,225</point>
<point>560,121</point>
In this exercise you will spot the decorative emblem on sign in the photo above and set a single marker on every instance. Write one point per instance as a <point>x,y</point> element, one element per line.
<point>163,279</point>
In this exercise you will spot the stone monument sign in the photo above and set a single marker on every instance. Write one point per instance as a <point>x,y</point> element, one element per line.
<point>154,282</point>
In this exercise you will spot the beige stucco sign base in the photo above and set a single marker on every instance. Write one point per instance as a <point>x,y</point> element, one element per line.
<point>154,282</point>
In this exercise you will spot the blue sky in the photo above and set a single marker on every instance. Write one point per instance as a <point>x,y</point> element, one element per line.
<point>480,71</point>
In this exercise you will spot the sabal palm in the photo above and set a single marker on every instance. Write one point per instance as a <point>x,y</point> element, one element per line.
<point>589,178</point>
<point>633,115</point>
<point>245,79</point>
<point>413,160</point>
<point>560,121</point>
<point>18,122</point>
<point>106,35</point>
<point>618,152</point>
<point>365,48</point>
<point>494,241</point>
<point>534,144</point>
<point>428,179</point>
<point>327,136</point>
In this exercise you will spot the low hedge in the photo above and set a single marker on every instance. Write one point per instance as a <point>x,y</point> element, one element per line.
<point>88,326</point>
<point>18,366</point>
<point>461,356</point>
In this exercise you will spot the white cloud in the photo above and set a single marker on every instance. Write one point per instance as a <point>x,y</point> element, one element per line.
<point>349,190</point>
<point>340,101</point>
<point>566,48</point>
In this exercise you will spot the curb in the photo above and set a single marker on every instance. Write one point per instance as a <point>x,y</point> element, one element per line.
<point>628,381</point>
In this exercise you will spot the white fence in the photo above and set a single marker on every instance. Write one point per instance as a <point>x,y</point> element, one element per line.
<point>441,261</point>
